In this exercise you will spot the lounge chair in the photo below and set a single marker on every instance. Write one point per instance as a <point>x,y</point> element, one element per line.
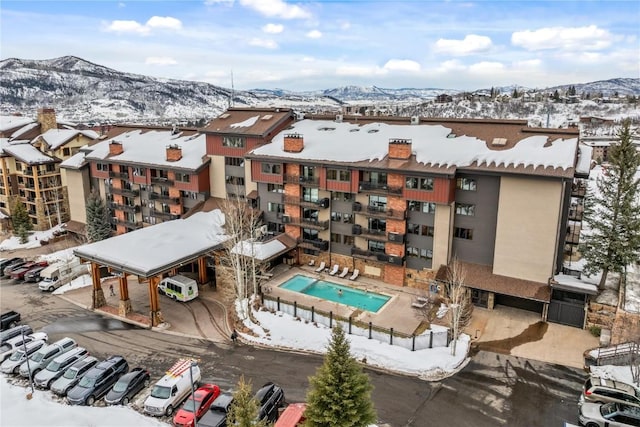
<point>419,304</point>
<point>320,268</point>
<point>312,263</point>
<point>334,270</point>
<point>355,274</point>
<point>344,273</point>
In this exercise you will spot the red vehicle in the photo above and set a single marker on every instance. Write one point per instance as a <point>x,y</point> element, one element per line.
<point>18,274</point>
<point>292,416</point>
<point>204,396</point>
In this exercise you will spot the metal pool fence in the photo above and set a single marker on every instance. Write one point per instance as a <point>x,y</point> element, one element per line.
<point>428,339</point>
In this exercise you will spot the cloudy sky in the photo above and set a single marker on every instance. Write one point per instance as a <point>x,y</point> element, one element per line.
<point>310,45</point>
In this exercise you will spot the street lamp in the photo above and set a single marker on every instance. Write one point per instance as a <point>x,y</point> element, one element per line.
<point>24,347</point>
<point>193,391</point>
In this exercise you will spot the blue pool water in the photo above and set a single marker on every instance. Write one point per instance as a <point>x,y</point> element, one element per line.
<point>369,301</point>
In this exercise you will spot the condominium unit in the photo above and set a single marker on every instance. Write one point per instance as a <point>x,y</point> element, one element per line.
<point>30,155</point>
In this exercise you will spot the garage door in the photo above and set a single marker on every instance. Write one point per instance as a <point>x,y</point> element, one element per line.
<point>521,303</point>
<point>567,308</point>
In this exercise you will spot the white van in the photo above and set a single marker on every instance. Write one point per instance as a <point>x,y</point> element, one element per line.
<point>61,273</point>
<point>180,288</point>
<point>169,392</point>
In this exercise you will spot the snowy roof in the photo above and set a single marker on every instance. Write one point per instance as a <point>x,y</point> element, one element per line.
<point>571,283</point>
<point>25,152</point>
<point>55,138</point>
<point>246,123</point>
<point>249,121</point>
<point>433,145</point>
<point>12,122</point>
<point>74,162</point>
<point>24,129</point>
<point>584,159</point>
<point>151,250</point>
<point>149,148</point>
<point>262,250</point>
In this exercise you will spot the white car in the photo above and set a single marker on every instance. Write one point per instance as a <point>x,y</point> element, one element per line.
<point>609,415</point>
<point>18,342</point>
<point>17,358</point>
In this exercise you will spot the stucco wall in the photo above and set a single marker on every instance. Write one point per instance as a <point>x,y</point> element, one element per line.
<point>78,181</point>
<point>216,174</point>
<point>442,223</point>
<point>528,218</point>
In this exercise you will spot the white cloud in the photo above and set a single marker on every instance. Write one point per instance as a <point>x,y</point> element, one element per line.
<point>266,43</point>
<point>122,5</point>
<point>273,28</point>
<point>160,60</point>
<point>127,27</point>
<point>486,67</point>
<point>276,8</point>
<point>345,25</point>
<point>451,65</point>
<point>212,2</point>
<point>308,59</point>
<point>164,22</point>
<point>401,65</point>
<point>565,38</point>
<point>527,64</point>
<point>359,71</point>
<point>314,34</point>
<point>469,45</point>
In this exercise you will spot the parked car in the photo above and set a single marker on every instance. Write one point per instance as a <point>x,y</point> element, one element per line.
<point>216,416</point>
<point>18,274</point>
<point>270,398</point>
<point>72,375</point>
<point>42,357</point>
<point>6,261</point>
<point>57,366</point>
<point>7,334</point>
<point>601,390</point>
<point>196,405</point>
<point>9,319</point>
<point>18,342</point>
<point>10,263</point>
<point>172,389</point>
<point>12,267</point>
<point>612,414</point>
<point>97,382</point>
<point>127,386</point>
<point>18,357</point>
<point>33,275</point>
<point>293,415</point>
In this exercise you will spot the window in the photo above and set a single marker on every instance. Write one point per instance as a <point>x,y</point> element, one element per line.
<point>425,207</point>
<point>183,177</point>
<point>100,166</point>
<point>348,240</point>
<point>275,188</point>
<point>347,218</point>
<point>420,183</point>
<point>420,230</point>
<point>310,194</point>
<point>275,227</point>
<point>426,254</point>
<point>338,175</point>
<point>376,246</point>
<point>272,168</point>
<point>234,180</point>
<point>310,214</point>
<point>342,197</point>
<point>66,151</point>
<point>426,230</point>
<point>466,184</point>
<point>309,234</point>
<point>233,141</point>
<point>275,207</point>
<point>465,209</point>
<point>428,207</point>
<point>378,201</point>
<point>376,224</point>
<point>139,171</point>
<point>234,161</point>
<point>336,238</point>
<point>463,233</point>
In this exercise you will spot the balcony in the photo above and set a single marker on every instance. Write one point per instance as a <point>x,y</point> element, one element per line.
<point>302,180</point>
<point>578,190</point>
<point>305,222</point>
<point>132,225</point>
<point>363,253</point>
<point>378,187</point>
<point>164,198</point>
<point>160,180</point>
<point>391,259</point>
<point>316,244</point>
<point>383,212</point>
<point>126,208</point>
<point>320,203</point>
<point>575,213</point>
<point>167,216</point>
<point>373,234</point>
<point>129,192</point>
<point>120,175</point>
<point>395,237</point>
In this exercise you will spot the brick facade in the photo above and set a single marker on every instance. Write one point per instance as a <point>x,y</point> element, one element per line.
<point>293,143</point>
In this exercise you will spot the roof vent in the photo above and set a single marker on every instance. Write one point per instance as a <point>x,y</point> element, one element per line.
<point>339,118</point>
<point>267,117</point>
<point>415,120</point>
<point>499,142</point>
<point>224,116</point>
<point>451,135</point>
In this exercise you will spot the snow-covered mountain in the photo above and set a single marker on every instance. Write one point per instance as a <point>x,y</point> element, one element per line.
<point>83,91</point>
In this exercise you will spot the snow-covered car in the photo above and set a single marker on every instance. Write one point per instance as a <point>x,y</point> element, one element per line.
<point>609,415</point>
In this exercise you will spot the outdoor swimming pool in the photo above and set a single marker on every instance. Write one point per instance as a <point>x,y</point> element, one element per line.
<point>369,301</point>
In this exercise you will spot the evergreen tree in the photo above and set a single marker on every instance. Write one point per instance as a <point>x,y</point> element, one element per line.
<point>245,409</point>
<point>340,392</point>
<point>515,93</point>
<point>20,219</point>
<point>98,227</point>
<point>23,234</point>
<point>611,212</point>
<point>556,95</point>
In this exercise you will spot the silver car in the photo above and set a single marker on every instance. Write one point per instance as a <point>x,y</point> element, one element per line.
<point>17,358</point>
<point>18,342</point>
<point>72,375</point>
<point>57,366</point>
<point>42,357</point>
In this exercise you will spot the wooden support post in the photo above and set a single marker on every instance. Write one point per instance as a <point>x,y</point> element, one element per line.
<point>155,315</point>
<point>97,297</point>
<point>202,270</point>
<point>124,305</point>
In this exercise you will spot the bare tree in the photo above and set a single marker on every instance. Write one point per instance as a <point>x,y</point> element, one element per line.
<point>427,307</point>
<point>635,363</point>
<point>237,261</point>
<point>459,297</point>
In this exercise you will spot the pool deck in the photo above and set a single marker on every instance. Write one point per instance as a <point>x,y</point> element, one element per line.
<point>397,313</point>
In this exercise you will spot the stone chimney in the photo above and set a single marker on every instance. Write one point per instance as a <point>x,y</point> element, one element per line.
<point>47,119</point>
<point>293,143</point>
<point>115,148</point>
<point>400,149</point>
<point>174,153</point>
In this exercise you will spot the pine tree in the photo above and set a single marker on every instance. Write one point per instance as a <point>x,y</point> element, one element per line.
<point>340,392</point>
<point>245,409</point>
<point>98,227</point>
<point>20,219</point>
<point>612,212</point>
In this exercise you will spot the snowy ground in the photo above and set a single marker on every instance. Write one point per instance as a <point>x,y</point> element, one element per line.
<point>35,237</point>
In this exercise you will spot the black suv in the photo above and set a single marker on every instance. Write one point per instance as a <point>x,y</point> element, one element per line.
<point>97,381</point>
<point>270,398</point>
<point>216,416</point>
